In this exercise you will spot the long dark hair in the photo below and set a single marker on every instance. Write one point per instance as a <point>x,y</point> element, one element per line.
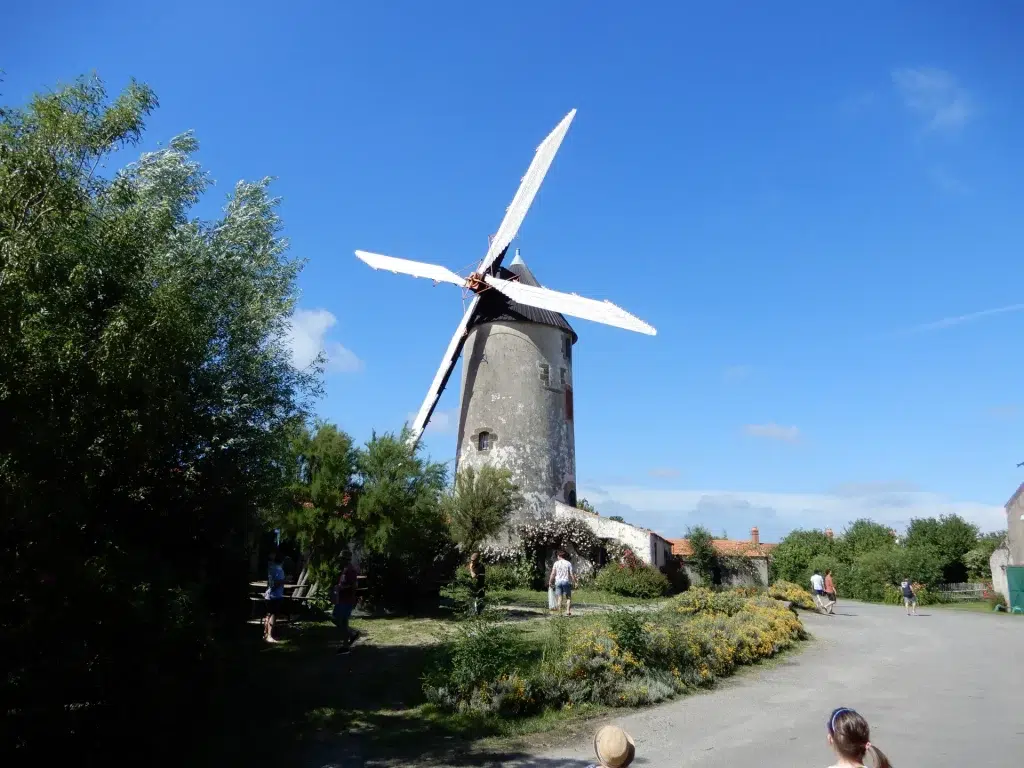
<point>851,738</point>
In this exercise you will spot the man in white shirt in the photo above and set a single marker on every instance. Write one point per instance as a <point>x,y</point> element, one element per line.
<point>563,579</point>
<point>818,588</point>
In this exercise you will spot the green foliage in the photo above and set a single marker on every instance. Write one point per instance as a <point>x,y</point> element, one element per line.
<point>951,537</point>
<point>146,393</point>
<point>704,558</point>
<point>518,574</point>
<point>893,595</point>
<point>977,559</point>
<point>864,535</point>
<point>793,557</point>
<point>586,506</point>
<point>482,652</point>
<point>479,505</point>
<point>676,574</point>
<point>408,552</point>
<point>315,508</point>
<point>627,627</point>
<point>704,600</point>
<point>639,581</point>
<point>617,518</point>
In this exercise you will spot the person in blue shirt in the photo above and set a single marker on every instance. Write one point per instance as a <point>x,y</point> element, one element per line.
<point>274,595</point>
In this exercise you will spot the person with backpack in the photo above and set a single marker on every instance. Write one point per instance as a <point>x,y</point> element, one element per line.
<point>344,598</point>
<point>909,598</point>
<point>850,738</point>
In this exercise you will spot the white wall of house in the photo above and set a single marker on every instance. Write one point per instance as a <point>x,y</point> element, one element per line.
<point>646,544</point>
<point>998,562</point>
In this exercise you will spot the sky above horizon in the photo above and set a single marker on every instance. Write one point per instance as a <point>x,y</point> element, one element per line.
<point>815,208</point>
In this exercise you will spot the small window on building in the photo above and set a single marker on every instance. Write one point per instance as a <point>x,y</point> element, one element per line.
<point>568,403</point>
<point>483,441</point>
<point>563,373</point>
<point>545,374</point>
<point>568,347</point>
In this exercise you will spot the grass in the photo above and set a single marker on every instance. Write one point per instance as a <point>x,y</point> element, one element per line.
<point>300,701</point>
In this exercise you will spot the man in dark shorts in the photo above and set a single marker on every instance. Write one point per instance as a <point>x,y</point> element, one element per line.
<point>344,599</point>
<point>274,596</point>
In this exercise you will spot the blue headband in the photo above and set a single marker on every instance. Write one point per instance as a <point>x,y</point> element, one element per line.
<point>836,713</point>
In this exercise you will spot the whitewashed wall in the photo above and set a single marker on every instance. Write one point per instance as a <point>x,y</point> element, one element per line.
<point>998,562</point>
<point>646,545</point>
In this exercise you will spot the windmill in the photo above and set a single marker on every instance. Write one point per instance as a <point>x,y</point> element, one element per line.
<point>513,326</point>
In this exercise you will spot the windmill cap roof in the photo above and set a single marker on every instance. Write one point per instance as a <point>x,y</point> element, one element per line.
<point>495,306</point>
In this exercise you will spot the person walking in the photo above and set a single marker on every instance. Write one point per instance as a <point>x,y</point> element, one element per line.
<point>478,575</point>
<point>850,739</point>
<point>818,588</point>
<point>344,598</point>
<point>274,596</point>
<point>830,591</point>
<point>909,598</point>
<point>563,579</point>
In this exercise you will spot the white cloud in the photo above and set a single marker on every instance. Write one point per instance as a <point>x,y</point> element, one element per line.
<point>773,432</point>
<point>935,96</point>
<point>671,512</point>
<point>307,338</point>
<point>949,322</point>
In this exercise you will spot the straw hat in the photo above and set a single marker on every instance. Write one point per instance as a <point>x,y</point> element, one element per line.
<point>614,747</point>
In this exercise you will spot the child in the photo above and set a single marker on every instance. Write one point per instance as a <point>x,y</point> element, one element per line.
<point>849,737</point>
<point>614,748</point>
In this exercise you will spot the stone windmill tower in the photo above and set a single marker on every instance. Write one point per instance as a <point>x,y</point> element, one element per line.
<point>516,409</point>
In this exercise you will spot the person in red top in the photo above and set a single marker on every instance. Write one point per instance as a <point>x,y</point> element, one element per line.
<point>830,592</point>
<point>344,598</point>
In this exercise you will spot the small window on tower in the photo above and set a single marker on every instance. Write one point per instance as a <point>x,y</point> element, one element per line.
<point>568,403</point>
<point>483,441</point>
<point>568,348</point>
<point>562,371</point>
<point>545,374</point>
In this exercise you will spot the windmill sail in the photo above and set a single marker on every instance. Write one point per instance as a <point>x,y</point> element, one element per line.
<point>444,372</point>
<point>527,191</point>
<point>415,268</point>
<point>570,304</point>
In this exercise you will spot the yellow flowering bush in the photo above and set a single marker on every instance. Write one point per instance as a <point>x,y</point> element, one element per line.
<point>634,658</point>
<point>793,593</point>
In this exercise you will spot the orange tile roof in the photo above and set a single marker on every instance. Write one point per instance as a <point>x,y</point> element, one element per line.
<point>725,547</point>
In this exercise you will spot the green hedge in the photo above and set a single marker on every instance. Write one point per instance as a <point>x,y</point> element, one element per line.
<point>639,581</point>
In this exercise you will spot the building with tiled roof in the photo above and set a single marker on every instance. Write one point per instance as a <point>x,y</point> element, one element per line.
<point>754,551</point>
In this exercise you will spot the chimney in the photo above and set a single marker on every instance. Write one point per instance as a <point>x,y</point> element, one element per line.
<point>517,253</point>
<point>828,534</point>
<point>755,536</point>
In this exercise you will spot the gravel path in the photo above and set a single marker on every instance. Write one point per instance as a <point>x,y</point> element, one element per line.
<point>943,689</point>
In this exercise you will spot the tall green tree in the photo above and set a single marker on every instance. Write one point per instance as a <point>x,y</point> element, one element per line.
<point>480,504</point>
<point>951,536</point>
<point>865,535</point>
<point>793,558</point>
<point>977,559</point>
<point>316,504</point>
<point>704,558</point>
<point>400,525</point>
<point>145,399</point>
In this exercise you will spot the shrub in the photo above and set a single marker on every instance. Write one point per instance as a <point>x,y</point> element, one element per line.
<point>676,574</point>
<point>517,574</point>
<point>638,658</point>
<point>627,627</point>
<point>925,596</point>
<point>481,653</point>
<point>993,598</point>
<point>642,581</point>
<point>793,593</point>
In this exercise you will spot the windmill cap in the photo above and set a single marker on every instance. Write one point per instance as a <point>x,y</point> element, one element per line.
<point>614,747</point>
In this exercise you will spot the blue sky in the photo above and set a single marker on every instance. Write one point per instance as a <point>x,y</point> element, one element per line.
<point>818,209</point>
